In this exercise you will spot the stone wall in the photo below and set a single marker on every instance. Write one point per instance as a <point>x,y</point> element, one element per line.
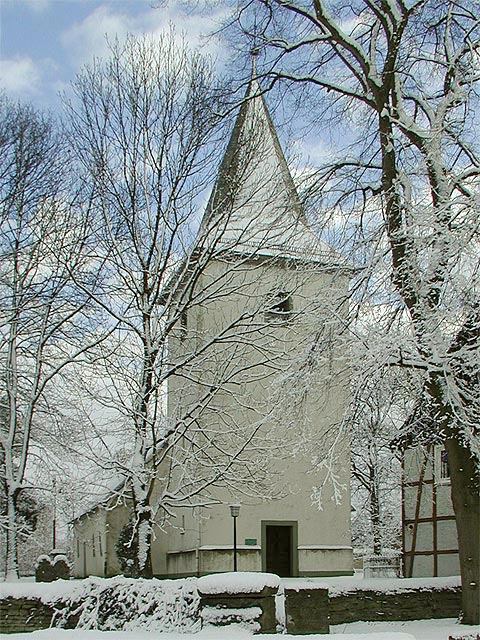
<point>313,610</point>
<point>307,610</point>
<point>414,604</point>
<point>22,615</point>
<point>203,562</point>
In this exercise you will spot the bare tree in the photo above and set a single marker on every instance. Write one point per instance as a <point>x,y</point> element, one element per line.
<point>380,405</point>
<point>41,242</point>
<point>382,400</point>
<point>144,123</point>
<point>402,78</point>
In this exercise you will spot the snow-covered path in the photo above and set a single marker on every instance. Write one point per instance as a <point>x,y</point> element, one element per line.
<point>416,630</point>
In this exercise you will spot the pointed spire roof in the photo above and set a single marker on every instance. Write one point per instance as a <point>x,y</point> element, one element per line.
<point>254,206</point>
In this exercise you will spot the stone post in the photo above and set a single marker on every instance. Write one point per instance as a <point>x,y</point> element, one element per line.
<point>239,597</point>
<point>306,611</point>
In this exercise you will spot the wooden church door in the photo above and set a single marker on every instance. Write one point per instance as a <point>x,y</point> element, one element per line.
<point>279,550</point>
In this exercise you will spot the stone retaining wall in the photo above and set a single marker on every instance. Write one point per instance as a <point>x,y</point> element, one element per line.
<point>313,610</point>
<point>22,615</point>
<point>307,610</point>
<point>408,605</point>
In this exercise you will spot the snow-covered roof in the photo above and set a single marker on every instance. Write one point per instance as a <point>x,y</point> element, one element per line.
<point>114,488</point>
<point>254,207</point>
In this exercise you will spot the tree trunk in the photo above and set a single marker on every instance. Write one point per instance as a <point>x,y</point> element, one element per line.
<point>143,531</point>
<point>375,513</point>
<point>11,556</point>
<point>465,485</point>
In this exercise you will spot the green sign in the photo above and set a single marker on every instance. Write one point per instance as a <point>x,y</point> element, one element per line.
<point>250,542</point>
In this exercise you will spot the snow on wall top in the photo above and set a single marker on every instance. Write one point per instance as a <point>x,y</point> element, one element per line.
<point>239,582</point>
<point>340,585</point>
<point>395,585</point>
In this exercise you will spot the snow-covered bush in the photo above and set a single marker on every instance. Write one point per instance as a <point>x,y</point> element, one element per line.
<point>129,604</point>
<point>48,569</point>
<point>126,549</point>
<point>61,567</point>
<point>44,571</point>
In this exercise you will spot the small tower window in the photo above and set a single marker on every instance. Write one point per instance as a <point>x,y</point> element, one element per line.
<point>441,466</point>
<point>183,324</point>
<point>444,466</point>
<point>280,306</point>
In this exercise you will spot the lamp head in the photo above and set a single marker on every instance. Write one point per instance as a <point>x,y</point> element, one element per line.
<point>234,510</point>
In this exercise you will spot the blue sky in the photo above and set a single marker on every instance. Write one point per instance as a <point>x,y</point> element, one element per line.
<point>43,43</point>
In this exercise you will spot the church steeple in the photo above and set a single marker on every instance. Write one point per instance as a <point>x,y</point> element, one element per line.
<point>254,203</point>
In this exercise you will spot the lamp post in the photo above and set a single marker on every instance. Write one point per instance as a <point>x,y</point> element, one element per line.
<point>54,522</point>
<point>234,512</point>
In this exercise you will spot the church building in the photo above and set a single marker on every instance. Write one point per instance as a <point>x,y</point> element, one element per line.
<point>280,382</point>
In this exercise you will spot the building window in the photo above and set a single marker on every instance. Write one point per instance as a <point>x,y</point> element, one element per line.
<point>93,545</point>
<point>183,324</point>
<point>100,550</point>
<point>280,306</point>
<point>78,548</point>
<point>444,467</point>
<point>441,466</point>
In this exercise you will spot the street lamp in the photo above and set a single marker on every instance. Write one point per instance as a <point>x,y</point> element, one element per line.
<point>54,523</point>
<point>234,512</point>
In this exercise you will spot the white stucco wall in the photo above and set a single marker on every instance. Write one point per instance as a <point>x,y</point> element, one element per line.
<point>90,544</point>
<point>314,293</point>
<point>200,540</point>
<point>116,519</point>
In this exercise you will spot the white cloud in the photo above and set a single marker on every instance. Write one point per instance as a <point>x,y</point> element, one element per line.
<point>19,75</point>
<point>87,39</point>
<point>38,5</point>
<point>196,27</point>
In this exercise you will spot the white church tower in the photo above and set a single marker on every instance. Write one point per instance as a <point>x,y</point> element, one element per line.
<point>259,392</point>
<point>277,373</point>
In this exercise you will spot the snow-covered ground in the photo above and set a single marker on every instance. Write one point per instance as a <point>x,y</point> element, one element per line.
<point>417,630</point>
